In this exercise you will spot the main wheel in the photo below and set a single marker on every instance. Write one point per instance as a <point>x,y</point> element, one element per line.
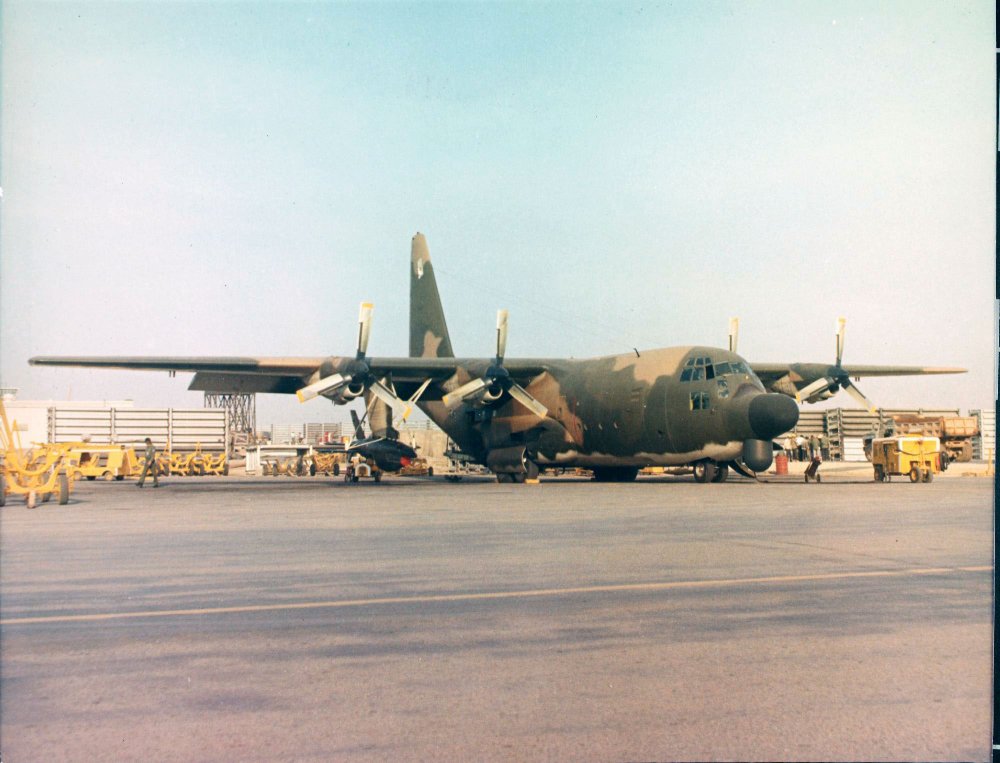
<point>704,471</point>
<point>532,469</point>
<point>615,473</point>
<point>721,473</point>
<point>915,474</point>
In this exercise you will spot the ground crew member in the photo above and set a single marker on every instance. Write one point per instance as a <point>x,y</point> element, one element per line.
<point>814,449</point>
<point>150,467</point>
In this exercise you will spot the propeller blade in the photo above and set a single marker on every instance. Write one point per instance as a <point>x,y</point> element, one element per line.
<point>386,395</point>
<point>734,333</point>
<point>455,398</point>
<point>811,389</point>
<point>359,430</point>
<point>408,407</point>
<point>319,387</point>
<point>858,395</point>
<point>522,396</point>
<point>364,327</point>
<point>841,328</point>
<point>501,335</point>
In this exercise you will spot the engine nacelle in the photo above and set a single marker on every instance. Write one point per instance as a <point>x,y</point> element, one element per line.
<point>487,395</point>
<point>346,393</point>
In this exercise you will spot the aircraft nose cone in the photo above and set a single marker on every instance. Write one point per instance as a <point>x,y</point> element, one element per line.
<point>772,414</point>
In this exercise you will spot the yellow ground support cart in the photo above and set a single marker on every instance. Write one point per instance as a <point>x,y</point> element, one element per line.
<point>327,463</point>
<point>913,455</point>
<point>36,473</point>
<point>104,461</point>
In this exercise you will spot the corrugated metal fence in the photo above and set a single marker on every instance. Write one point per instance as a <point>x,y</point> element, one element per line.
<point>175,428</point>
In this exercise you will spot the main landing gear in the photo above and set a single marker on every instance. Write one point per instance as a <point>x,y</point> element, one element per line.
<point>710,471</point>
<point>615,473</point>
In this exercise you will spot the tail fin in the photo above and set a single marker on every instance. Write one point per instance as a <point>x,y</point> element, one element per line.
<point>428,330</point>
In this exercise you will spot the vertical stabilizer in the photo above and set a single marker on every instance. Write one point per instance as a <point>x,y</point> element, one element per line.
<point>428,330</point>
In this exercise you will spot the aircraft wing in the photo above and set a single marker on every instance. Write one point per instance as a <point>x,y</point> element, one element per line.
<point>218,374</point>
<point>288,375</point>
<point>792,378</point>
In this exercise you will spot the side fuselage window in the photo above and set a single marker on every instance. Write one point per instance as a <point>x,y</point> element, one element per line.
<point>699,401</point>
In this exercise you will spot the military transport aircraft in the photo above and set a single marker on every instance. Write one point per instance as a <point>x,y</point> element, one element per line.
<point>703,407</point>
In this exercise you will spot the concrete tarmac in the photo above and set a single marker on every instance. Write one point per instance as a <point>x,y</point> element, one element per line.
<point>224,619</point>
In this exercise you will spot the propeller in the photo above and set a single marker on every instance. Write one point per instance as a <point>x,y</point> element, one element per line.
<point>491,386</point>
<point>358,377</point>
<point>837,378</point>
<point>734,333</point>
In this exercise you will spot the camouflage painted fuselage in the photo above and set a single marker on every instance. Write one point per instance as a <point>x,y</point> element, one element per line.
<point>622,410</point>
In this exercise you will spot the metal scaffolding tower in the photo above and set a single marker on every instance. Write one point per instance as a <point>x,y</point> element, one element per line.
<point>242,407</point>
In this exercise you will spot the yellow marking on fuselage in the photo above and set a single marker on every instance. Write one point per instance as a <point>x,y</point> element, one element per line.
<point>495,595</point>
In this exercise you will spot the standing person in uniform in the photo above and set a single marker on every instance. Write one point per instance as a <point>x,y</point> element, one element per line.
<point>813,447</point>
<point>800,446</point>
<point>150,467</point>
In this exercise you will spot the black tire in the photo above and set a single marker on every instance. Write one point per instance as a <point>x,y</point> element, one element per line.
<point>615,473</point>
<point>430,471</point>
<point>119,477</point>
<point>532,470</point>
<point>704,471</point>
<point>721,473</point>
<point>336,468</point>
<point>915,475</point>
<point>91,477</point>
<point>929,475</point>
<point>505,478</point>
<point>377,476</point>
<point>63,485</point>
<point>3,490</point>
<point>879,473</point>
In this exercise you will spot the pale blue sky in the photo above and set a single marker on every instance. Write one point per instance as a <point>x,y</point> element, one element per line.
<point>226,179</point>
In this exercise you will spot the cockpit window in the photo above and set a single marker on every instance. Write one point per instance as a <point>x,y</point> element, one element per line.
<point>701,368</point>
